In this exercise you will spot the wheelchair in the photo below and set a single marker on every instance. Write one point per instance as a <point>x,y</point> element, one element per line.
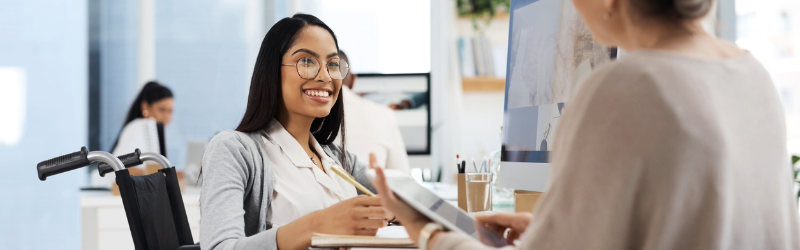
<point>153,203</point>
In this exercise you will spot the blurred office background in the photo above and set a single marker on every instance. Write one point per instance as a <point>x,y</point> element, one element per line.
<point>70,69</point>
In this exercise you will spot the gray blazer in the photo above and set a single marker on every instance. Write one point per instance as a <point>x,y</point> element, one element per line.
<point>237,188</point>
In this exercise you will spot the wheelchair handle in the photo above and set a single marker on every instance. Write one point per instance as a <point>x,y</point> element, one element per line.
<point>74,161</point>
<point>156,157</point>
<point>63,163</point>
<point>129,160</point>
<point>134,159</point>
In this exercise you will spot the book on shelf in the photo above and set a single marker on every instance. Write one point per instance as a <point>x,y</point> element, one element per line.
<point>479,58</point>
<point>465,57</point>
<point>488,56</point>
<point>477,55</point>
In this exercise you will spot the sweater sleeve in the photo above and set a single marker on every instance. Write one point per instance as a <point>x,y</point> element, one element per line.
<point>360,172</point>
<point>452,240</point>
<point>225,170</point>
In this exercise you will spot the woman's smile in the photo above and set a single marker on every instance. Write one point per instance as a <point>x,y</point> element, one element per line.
<point>322,95</point>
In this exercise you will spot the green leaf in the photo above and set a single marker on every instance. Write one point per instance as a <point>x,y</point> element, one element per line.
<point>798,195</point>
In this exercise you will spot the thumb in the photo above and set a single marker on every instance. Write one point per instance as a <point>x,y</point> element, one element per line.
<point>381,180</point>
<point>522,222</point>
<point>373,161</point>
<point>380,184</point>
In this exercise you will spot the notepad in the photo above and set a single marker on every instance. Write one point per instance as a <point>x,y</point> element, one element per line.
<point>395,237</point>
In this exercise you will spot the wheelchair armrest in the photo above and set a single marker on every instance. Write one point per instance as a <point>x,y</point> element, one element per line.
<point>189,247</point>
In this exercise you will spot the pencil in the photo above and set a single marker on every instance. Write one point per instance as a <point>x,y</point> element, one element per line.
<point>338,170</point>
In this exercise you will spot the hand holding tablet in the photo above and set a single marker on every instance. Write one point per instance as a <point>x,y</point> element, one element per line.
<point>415,206</point>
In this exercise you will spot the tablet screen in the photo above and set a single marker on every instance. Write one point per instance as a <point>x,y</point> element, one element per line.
<point>448,215</point>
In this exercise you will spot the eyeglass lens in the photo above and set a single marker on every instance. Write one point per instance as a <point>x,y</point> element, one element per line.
<point>308,68</point>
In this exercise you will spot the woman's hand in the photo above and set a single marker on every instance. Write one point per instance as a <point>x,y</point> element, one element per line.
<point>362,215</point>
<point>515,224</point>
<point>412,220</point>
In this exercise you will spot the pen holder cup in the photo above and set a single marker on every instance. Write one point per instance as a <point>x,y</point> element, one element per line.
<point>462,191</point>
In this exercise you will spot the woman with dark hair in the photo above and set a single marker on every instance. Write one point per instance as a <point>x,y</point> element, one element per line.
<point>680,144</point>
<point>269,184</point>
<point>152,106</point>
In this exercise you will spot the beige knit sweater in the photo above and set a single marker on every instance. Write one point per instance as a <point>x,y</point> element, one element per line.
<point>665,151</point>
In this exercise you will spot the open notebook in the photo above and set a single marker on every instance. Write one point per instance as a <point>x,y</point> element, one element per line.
<point>393,236</point>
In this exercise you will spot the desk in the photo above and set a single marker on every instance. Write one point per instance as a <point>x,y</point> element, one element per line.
<point>449,193</point>
<point>104,225</point>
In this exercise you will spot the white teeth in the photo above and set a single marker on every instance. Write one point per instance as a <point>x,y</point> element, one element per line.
<point>320,93</point>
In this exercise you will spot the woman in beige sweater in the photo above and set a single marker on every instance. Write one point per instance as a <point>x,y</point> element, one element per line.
<point>678,145</point>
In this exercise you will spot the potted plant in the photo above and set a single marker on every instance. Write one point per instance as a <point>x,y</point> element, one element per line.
<point>795,171</point>
<point>481,9</point>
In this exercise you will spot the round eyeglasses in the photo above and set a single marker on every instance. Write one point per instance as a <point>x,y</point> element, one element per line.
<point>308,68</point>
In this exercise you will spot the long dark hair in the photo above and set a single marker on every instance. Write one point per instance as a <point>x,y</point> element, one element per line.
<point>265,85</point>
<point>152,92</point>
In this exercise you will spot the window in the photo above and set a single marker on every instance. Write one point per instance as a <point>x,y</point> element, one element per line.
<point>770,29</point>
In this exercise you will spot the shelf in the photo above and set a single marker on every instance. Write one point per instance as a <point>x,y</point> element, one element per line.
<point>499,15</point>
<point>483,84</point>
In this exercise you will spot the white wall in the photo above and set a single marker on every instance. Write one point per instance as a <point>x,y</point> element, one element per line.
<point>483,110</point>
<point>378,36</point>
<point>47,41</point>
<point>480,125</point>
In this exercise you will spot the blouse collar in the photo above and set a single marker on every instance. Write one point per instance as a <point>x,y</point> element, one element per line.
<point>277,134</point>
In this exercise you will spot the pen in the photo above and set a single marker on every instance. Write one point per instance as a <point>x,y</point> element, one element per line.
<point>338,170</point>
<point>475,165</point>
<point>459,167</point>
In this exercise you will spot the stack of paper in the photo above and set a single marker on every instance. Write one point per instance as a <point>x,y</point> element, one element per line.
<point>395,237</point>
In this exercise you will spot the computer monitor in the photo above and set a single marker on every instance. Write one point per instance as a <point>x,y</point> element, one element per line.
<point>550,52</point>
<point>412,91</point>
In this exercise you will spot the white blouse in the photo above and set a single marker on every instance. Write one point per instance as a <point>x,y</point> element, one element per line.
<point>300,186</point>
<point>140,133</point>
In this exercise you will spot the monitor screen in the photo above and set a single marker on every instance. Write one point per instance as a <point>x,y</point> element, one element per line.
<point>409,95</point>
<point>550,52</point>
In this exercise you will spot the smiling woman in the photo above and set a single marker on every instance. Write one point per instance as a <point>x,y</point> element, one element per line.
<point>269,184</point>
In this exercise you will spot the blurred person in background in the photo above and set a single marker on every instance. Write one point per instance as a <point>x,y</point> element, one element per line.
<point>414,101</point>
<point>372,128</point>
<point>681,144</point>
<point>152,108</point>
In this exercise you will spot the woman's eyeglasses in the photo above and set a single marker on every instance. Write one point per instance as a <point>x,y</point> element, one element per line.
<point>308,68</point>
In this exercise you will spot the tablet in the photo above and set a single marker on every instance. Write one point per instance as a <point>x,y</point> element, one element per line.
<point>437,209</point>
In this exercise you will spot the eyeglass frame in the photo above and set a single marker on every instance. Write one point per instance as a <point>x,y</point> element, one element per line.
<point>327,69</point>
